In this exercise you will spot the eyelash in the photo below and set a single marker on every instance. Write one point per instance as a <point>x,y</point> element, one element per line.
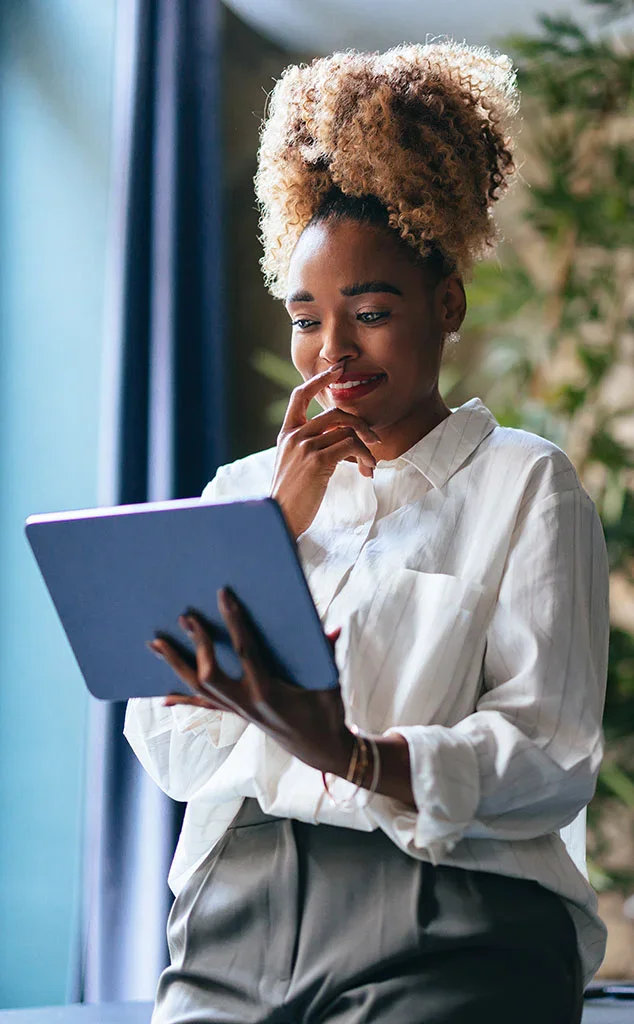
<point>378,317</point>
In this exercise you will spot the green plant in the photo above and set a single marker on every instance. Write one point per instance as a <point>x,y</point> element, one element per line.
<point>554,318</point>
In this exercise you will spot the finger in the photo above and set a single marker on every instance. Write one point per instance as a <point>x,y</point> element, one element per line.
<point>333,637</point>
<point>212,682</point>
<point>197,702</point>
<point>215,701</point>
<point>363,469</point>
<point>321,442</point>
<point>184,653</point>
<point>302,395</point>
<point>245,643</point>
<point>340,452</point>
<point>198,629</point>
<point>177,657</point>
<point>244,640</point>
<point>338,418</point>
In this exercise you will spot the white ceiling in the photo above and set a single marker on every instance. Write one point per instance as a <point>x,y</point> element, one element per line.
<point>321,26</point>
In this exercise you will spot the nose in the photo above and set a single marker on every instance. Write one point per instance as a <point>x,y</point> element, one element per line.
<point>337,342</point>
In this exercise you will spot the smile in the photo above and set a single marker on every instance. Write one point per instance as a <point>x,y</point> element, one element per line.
<point>356,388</point>
<point>354,383</point>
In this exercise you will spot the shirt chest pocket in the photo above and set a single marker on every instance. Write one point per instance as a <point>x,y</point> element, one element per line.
<point>410,642</point>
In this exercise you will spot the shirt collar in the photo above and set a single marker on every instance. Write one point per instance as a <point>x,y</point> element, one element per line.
<point>441,452</point>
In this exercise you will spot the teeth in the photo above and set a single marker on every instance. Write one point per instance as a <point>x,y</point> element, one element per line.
<point>353,383</point>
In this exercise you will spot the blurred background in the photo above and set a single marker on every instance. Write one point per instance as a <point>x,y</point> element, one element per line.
<point>139,350</point>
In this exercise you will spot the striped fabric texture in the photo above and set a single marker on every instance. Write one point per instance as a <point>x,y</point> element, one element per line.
<point>470,580</point>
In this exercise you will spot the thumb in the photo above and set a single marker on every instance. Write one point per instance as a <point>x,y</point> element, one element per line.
<point>333,637</point>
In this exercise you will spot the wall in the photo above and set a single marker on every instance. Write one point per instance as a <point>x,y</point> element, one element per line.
<point>55,80</point>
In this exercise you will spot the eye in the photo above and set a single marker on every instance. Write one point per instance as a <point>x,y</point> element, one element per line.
<point>372,317</point>
<point>303,323</point>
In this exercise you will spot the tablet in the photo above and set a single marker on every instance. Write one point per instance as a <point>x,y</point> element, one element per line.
<point>118,575</point>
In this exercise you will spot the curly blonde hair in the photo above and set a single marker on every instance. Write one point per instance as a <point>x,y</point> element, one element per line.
<point>423,129</point>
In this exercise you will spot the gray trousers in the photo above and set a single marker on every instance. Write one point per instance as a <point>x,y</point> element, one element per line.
<point>289,922</point>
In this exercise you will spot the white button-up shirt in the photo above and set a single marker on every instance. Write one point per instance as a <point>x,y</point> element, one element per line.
<point>470,580</point>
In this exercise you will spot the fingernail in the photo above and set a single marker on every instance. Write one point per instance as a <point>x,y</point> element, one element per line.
<point>187,623</point>
<point>192,615</point>
<point>155,650</point>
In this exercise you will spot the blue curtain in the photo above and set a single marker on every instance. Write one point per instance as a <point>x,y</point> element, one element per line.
<point>164,431</point>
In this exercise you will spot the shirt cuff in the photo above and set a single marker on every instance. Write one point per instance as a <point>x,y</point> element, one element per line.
<point>446,786</point>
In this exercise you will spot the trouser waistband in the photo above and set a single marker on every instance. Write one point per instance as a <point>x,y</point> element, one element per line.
<point>251,814</point>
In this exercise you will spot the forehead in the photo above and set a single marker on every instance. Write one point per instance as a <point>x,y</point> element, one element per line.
<point>345,251</point>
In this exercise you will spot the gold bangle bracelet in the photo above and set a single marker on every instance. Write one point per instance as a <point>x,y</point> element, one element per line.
<point>354,757</point>
<point>358,769</point>
<point>352,769</point>
<point>363,762</point>
<point>376,767</point>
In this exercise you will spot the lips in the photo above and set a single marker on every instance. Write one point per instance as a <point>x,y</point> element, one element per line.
<point>355,391</point>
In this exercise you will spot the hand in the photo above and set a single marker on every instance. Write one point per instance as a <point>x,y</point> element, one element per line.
<point>308,724</point>
<point>308,452</point>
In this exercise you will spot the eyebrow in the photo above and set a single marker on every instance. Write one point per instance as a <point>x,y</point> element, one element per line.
<point>359,288</point>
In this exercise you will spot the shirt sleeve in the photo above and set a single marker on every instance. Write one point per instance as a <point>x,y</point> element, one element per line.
<point>181,747</point>
<point>526,761</point>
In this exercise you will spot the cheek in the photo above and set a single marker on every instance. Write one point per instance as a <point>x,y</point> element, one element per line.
<point>416,353</point>
<point>300,354</point>
<point>305,354</point>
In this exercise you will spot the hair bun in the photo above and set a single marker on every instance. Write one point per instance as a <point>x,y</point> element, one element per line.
<point>424,128</point>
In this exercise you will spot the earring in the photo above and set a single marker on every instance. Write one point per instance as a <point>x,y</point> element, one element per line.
<point>452,337</point>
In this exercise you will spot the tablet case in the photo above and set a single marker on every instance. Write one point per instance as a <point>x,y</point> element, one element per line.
<point>117,575</point>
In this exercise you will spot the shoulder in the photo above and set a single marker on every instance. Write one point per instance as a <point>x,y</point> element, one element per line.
<point>249,477</point>
<point>533,464</point>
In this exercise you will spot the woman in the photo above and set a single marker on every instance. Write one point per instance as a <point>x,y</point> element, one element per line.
<point>391,851</point>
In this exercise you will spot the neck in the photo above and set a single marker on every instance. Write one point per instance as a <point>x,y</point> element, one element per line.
<point>401,436</point>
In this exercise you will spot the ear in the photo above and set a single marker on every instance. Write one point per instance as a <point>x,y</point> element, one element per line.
<point>451,303</point>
